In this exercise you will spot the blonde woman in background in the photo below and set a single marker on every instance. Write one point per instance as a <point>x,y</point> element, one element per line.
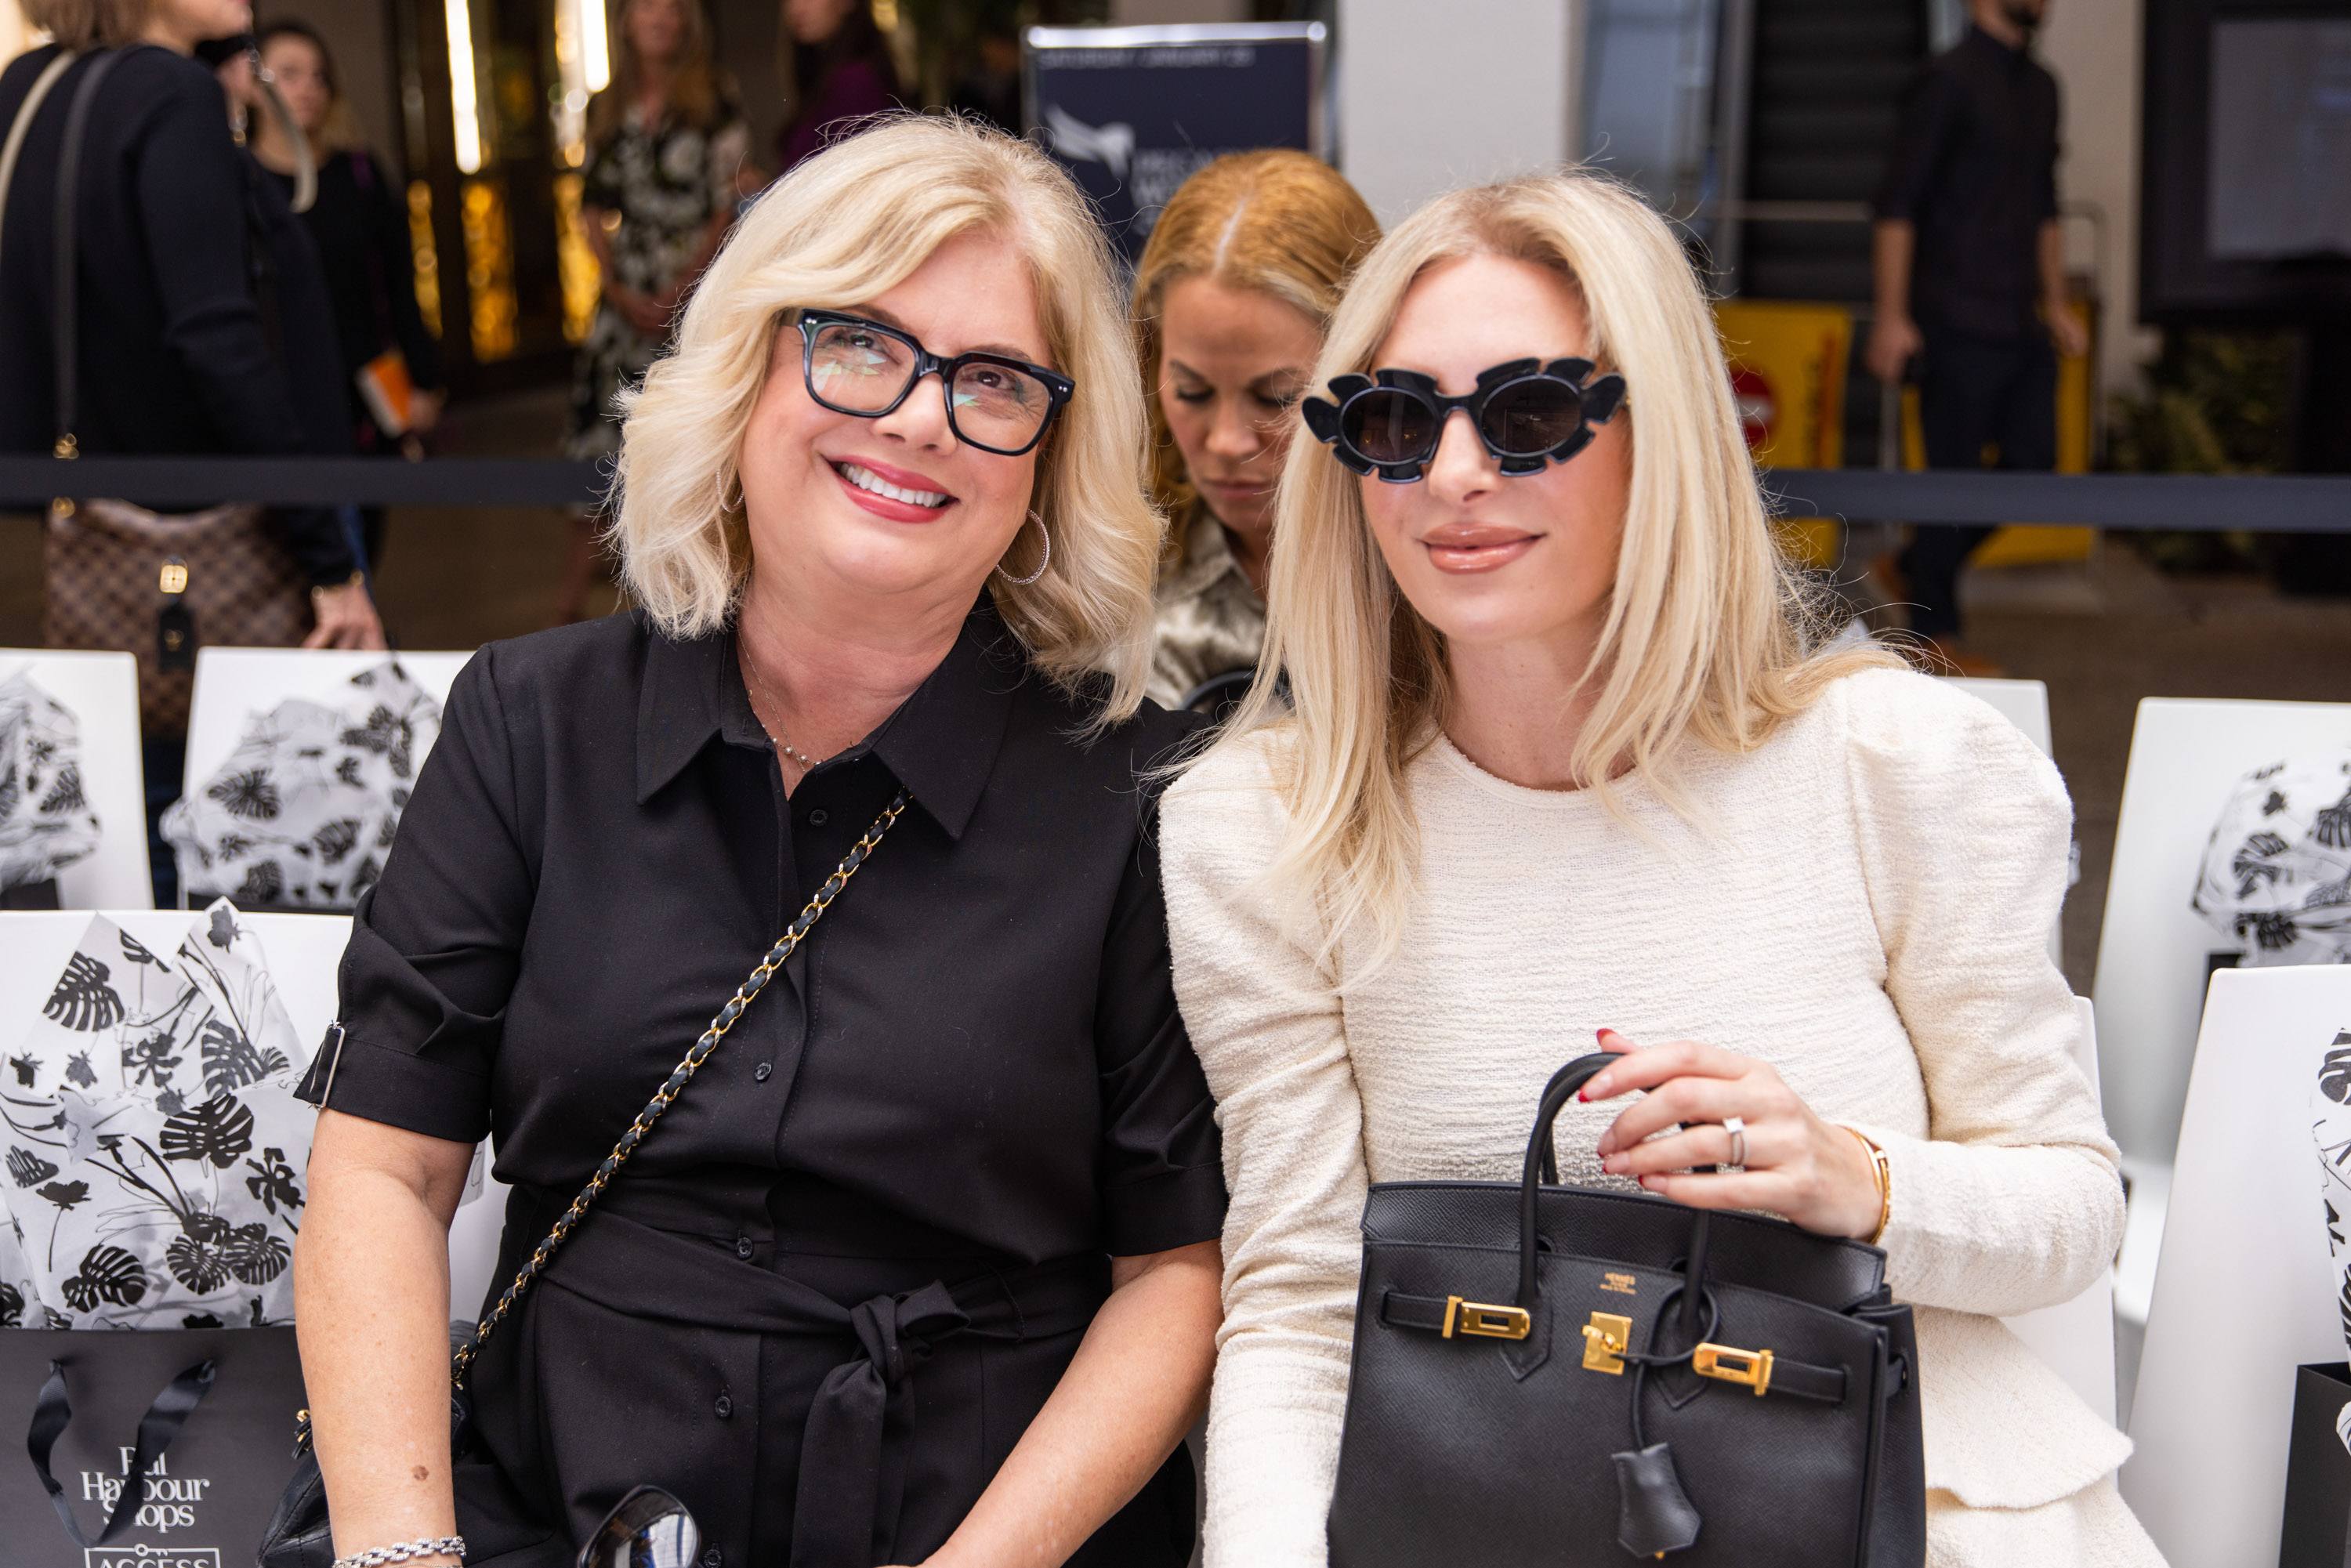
<point>1239,279</point>
<point>1559,767</point>
<point>922,1269</point>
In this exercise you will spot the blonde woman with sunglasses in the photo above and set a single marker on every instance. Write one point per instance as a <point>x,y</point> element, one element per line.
<point>1555,765</point>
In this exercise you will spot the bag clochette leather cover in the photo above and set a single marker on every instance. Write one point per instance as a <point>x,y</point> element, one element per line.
<point>1579,1378</point>
<point>301,813</point>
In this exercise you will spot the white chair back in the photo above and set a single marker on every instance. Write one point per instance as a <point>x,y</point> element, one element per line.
<point>2024,704</point>
<point>303,952</point>
<point>233,683</point>
<point>2244,1291</point>
<point>2076,1338</point>
<point>2153,949</point>
<point>102,690</point>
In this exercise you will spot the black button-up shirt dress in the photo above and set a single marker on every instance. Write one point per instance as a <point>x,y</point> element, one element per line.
<point>830,1290</point>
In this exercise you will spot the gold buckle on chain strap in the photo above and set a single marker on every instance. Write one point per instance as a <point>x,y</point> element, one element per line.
<point>1726,1363</point>
<point>696,1055</point>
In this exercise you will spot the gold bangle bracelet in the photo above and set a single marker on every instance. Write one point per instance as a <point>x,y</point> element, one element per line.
<point>1883,1174</point>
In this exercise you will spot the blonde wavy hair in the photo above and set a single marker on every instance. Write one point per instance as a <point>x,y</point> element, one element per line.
<point>1707,627</point>
<point>846,225</point>
<point>1277,221</point>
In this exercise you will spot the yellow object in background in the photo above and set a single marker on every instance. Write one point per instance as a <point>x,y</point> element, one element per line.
<point>1788,372</point>
<point>2042,545</point>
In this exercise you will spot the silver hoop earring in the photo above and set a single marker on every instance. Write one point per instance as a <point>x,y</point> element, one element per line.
<point>1048,535</point>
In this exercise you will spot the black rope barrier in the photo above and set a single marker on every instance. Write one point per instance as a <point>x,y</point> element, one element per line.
<point>2189,502</point>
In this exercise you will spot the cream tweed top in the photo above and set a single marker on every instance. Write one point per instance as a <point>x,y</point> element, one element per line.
<point>1866,905</point>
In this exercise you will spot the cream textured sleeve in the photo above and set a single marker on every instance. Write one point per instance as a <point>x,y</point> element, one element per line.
<point>1270,1035</point>
<point>2013,1201</point>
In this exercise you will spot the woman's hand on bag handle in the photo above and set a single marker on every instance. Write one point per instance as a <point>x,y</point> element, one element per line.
<point>346,617</point>
<point>1814,1173</point>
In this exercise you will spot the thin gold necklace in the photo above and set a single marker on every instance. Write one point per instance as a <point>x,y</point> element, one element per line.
<point>807,763</point>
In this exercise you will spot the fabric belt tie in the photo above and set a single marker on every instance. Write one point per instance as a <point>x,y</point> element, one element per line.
<point>851,1477</point>
<point>851,1483</point>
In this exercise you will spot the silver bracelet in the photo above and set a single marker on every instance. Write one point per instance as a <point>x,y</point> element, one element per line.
<point>447,1546</point>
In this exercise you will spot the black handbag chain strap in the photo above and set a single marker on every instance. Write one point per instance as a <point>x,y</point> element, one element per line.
<point>680,1076</point>
<point>63,325</point>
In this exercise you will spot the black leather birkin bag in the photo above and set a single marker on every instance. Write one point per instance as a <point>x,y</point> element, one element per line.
<point>1573,1377</point>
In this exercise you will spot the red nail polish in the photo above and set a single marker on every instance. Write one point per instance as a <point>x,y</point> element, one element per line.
<point>1583,1095</point>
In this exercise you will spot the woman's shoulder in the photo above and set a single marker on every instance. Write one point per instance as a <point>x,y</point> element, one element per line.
<point>1232,787</point>
<point>1913,741</point>
<point>598,657</point>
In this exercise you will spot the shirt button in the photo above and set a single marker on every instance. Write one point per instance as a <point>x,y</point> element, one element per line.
<point>818,818</point>
<point>763,1071</point>
<point>726,1406</point>
<point>743,1246</point>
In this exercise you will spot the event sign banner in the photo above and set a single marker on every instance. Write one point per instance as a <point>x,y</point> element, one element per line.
<point>1132,112</point>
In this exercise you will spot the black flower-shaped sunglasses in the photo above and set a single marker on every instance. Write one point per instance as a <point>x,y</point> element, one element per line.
<point>864,368</point>
<point>1528,413</point>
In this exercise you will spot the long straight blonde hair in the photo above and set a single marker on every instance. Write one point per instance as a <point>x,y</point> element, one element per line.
<point>848,225</point>
<point>1707,627</point>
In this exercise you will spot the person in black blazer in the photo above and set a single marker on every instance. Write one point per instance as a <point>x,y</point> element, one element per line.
<point>174,358</point>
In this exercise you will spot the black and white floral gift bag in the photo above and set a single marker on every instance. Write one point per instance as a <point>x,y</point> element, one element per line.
<point>45,820</point>
<point>2276,875</point>
<point>154,1150</point>
<point>300,815</point>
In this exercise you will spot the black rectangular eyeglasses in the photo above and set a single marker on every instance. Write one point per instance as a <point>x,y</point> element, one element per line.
<point>995,402</point>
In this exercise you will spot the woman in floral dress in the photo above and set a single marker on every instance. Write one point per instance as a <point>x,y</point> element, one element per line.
<point>666,146</point>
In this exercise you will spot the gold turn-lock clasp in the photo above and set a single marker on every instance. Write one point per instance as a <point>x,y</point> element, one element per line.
<point>1727,1364</point>
<point>173,578</point>
<point>1484,1321</point>
<point>1606,1338</point>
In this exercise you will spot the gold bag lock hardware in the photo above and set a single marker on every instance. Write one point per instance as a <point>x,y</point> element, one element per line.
<point>1484,1321</point>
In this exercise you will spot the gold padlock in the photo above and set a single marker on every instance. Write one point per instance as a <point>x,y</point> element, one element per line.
<point>173,578</point>
<point>1606,1338</point>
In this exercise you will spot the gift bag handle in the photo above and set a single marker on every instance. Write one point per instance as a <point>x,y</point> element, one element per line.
<point>53,1413</point>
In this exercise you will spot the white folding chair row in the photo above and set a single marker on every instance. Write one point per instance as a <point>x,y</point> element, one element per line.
<point>303,952</point>
<point>230,684</point>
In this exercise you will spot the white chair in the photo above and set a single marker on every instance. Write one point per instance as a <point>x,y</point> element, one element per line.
<point>2076,1338</point>
<point>2024,704</point>
<point>2245,1291</point>
<point>2153,949</point>
<point>233,683</point>
<point>303,952</point>
<point>102,690</point>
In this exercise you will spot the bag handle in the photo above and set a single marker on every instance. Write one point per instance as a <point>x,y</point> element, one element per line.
<point>53,1413</point>
<point>1542,1170</point>
<point>66,287</point>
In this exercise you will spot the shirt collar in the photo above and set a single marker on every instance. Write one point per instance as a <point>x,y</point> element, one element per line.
<point>941,744</point>
<point>1207,560</point>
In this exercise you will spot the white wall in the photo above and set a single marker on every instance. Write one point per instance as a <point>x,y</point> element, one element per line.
<point>2094,47</point>
<point>1425,108</point>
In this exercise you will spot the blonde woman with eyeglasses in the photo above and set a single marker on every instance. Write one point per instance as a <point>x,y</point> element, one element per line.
<point>1553,765</point>
<point>921,1265</point>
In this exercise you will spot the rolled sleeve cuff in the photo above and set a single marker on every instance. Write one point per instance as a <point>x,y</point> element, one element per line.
<point>399,1089</point>
<point>1173,1208</point>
